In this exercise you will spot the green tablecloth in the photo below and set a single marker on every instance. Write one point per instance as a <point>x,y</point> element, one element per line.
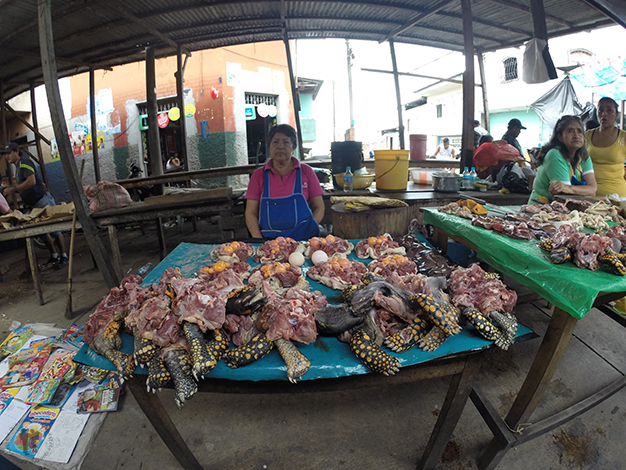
<point>567,286</point>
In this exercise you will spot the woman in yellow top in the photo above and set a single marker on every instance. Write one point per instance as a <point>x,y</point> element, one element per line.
<point>607,147</point>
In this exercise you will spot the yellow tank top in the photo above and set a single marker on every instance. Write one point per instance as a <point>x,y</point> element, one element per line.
<point>608,165</point>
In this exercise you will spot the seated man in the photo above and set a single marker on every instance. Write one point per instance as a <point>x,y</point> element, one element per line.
<point>34,195</point>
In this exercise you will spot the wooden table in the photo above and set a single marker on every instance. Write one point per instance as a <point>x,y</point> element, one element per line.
<point>219,201</point>
<point>462,368</point>
<point>515,429</point>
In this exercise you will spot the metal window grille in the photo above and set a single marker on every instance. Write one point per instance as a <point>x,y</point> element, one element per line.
<point>510,68</point>
<point>163,105</point>
<point>258,98</point>
<point>439,110</point>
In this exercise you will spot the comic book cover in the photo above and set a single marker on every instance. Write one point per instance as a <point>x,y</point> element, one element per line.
<point>54,372</point>
<point>71,338</point>
<point>31,433</point>
<point>99,398</point>
<point>25,367</point>
<point>6,396</point>
<point>15,341</point>
<point>61,395</point>
<point>92,374</point>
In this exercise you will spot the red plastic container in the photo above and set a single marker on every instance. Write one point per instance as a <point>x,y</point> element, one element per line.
<point>418,146</point>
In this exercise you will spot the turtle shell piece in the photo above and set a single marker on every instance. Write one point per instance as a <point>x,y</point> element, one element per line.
<point>202,359</point>
<point>435,338</point>
<point>408,337</point>
<point>145,350</point>
<point>364,346</point>
<point>546,244</point>
<point>184,384</point>
<point>560,255</point>
<point>258,347</point>
<point>297,363</point>
<point>612,262</point>
<point>158,375</point>
<point>443,314</point>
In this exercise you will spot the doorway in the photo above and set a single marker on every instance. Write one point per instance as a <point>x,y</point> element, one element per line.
<point>261,114</point>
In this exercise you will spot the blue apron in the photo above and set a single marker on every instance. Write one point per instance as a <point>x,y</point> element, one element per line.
<point>288,216</point>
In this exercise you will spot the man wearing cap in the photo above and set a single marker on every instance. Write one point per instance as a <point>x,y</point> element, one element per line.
<point>34,194</point>
<point>512,131</point>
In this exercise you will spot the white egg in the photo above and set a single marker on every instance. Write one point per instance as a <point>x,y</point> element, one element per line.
<point>296,259</point>
<point>319,257</point>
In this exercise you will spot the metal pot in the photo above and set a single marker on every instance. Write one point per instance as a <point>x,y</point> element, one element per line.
<point>447,182</point>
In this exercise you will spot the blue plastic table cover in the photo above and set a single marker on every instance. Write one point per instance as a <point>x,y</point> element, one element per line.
<point>329,357</point>
<point>567,286</point>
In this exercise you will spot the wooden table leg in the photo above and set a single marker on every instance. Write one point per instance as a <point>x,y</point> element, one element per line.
<point>440,239</point>
<point>115,251</point>
<point>34,269</point>
<point>155,412</point>
<point>546,361</point>
<point>456,398</point>
<point>161,237</point>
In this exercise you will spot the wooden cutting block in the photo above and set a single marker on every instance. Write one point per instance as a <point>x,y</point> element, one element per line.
<point>369,223</point>
<point>216,193</point>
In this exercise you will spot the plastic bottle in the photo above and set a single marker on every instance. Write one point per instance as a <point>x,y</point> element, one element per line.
<point>473,177</point>
<point>347,180</point>
<point>466,179</point>
<point>144,269</point>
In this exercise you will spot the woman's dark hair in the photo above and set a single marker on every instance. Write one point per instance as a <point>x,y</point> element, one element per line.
<point>580,155</point>
<point>445,140</point>
<point>611,101</point>
<point>485,139</point>
<point>284,129</point>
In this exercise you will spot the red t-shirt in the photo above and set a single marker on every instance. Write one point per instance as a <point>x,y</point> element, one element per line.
<point>283,187</point>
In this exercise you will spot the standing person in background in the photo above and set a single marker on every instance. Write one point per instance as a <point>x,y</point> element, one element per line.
<point>512,132</point>
<point>564,164</point>
<point>35,195</point>
<point>445,150</point>
<point>607,147</point>
<point>478,133</point>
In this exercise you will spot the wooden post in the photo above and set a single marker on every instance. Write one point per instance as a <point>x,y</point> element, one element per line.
<point>94,124</point>
<point>33,112</point>
<point>181,105</point>
<point>483,84</point>
<point>467,151</point>
<point>4,138</point>
<point>49,67</point>
<point>295,94</point>
<point>398,99</point>
<point>154,143</point>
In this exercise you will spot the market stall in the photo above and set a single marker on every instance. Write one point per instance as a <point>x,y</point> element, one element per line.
<point>572,290</point>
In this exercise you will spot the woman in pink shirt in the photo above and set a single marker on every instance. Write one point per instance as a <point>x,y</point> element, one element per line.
<point>284,197</point>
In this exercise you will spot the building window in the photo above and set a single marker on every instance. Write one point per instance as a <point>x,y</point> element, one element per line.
<point>439,110</point>
<point>580,56</point>
<point>510,69</point>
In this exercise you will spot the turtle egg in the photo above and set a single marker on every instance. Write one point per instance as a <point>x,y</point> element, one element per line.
<point>296,259</point>
<point>319,257</point>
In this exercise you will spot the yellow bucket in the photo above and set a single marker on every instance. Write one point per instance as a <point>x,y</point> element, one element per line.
<point>391,168</point>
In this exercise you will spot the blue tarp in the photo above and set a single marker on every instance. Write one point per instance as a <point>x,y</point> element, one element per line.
<point>329,357</point>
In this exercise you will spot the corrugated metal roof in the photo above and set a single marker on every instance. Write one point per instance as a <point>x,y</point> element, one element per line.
<point>102,34</point>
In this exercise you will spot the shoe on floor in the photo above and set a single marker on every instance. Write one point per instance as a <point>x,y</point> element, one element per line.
<point>51,263</point>
<point>64,260</point>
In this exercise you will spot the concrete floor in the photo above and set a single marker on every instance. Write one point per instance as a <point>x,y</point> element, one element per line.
<point>378,428</point>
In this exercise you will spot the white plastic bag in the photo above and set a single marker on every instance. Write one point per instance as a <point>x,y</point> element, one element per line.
<point>534,69</point>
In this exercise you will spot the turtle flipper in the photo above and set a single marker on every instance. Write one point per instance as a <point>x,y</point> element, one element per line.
<point>408,337</point>
<point>443,314</point>
<point>145,350</point>
<point>486,329</point>
<point>364,346</point>
<point>125,363</point>
<point>435,338</point>
<point>158,375</point>
<point>258,347</point>
<point>184,384</point>
<point>202,359</point>
<point>245,300</point>
<point>297,363</point>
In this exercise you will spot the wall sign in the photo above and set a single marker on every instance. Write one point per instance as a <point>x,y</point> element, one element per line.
<point>250,113</point>
<point>174,114</point>
<point>204,129</point>
<point>163,120</point>
<point>190,110</point>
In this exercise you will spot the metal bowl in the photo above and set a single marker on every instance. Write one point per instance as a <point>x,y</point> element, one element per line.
<point>447,182</point>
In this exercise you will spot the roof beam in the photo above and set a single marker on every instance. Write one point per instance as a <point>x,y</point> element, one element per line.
<point>416,19</point>
<point>66,60</point>
<point>417,75</point>
<point>612,8</point>
<point>144,24</point>
<point>515,6</point>
<point>488,23</point>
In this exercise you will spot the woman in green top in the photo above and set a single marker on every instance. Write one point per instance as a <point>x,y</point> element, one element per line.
<point>564,164</point>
